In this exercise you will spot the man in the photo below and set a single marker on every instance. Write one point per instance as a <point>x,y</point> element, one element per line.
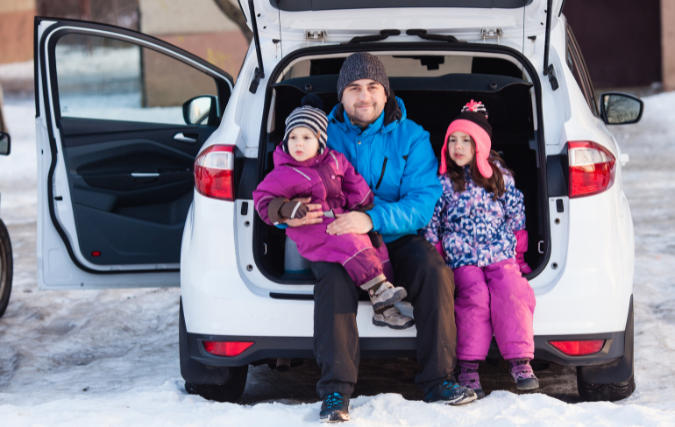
<point>394,155</point>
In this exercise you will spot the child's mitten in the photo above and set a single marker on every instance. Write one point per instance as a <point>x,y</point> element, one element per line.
<point>281,209</point>
<point>439,248</point>
<point>521,248</point>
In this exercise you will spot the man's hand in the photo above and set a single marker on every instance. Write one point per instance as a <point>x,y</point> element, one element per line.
<point>314,216</point>
<point>352,222</point>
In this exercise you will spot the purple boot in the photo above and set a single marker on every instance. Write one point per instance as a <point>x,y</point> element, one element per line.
<point>468,377</point>
<point>522,374</point>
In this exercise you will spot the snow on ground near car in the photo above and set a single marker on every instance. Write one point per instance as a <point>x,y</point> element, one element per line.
<point>111,357</point>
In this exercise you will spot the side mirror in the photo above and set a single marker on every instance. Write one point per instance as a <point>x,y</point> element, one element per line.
<point>201,110</point>
<point>5,143</point>
<point>620,108</point>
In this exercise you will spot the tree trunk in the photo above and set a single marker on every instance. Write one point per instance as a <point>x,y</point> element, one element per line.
<point>235,15</point>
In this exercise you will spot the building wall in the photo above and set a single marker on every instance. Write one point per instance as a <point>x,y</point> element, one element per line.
<point>620,40</point>
<point>197,26</point>
<point>16,30</point>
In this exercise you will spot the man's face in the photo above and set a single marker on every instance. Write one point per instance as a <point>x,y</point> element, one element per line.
<point>363,101</point>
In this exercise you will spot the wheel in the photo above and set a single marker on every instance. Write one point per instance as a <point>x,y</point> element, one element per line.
<point>228,392</point>
<point>6,268</point>
<point>605,392</point>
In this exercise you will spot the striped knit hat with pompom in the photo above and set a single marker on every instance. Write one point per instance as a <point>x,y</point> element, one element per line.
<point>311,116</point>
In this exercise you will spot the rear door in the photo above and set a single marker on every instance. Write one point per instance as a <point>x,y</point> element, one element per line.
<point>469,20</point>
<point>116,137</point>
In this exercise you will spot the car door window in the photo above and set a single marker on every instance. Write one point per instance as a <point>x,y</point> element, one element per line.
<point>575,61</point>
<point>106,78</point>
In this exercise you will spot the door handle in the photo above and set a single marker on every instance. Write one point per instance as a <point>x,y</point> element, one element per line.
<point>145,174</point>
<point>183,138</point>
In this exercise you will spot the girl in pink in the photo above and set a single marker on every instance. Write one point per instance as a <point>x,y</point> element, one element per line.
<point>478,227</point>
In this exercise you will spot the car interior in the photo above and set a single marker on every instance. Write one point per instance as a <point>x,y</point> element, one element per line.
<point>434,90</point>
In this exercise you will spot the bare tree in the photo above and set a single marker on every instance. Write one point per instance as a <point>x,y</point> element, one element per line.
<point>234,13</point>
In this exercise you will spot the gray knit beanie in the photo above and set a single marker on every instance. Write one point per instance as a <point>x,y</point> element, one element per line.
<point>311,116</point>
<point>362,66</point>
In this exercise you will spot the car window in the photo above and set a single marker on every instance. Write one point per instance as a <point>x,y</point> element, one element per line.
<point>105,78</point>
<point>575,61</point>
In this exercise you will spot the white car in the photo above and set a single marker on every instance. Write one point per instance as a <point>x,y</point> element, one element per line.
<point>122,117</point>
<point>6,261</point>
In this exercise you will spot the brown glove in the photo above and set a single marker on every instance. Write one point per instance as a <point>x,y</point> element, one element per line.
<point>281,209</point>
<point>293,210</point>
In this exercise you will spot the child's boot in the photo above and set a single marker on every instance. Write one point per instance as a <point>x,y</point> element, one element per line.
<point>392,317</point>
<point>522,374</point>
<point>383,294</point>
<point>468,377</point>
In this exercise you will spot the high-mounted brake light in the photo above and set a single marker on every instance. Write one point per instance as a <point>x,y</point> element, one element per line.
<point>578,348</point>
<point>213,172</point>
<point>592,168</point>
<point>227,348</point>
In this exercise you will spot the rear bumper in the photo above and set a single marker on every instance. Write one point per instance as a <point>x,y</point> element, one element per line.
<point>301,347</point>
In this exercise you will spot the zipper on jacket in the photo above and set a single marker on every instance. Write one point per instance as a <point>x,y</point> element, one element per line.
<point>384,166</point>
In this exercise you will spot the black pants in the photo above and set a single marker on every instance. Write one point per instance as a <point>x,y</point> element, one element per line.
<point>429,282</point>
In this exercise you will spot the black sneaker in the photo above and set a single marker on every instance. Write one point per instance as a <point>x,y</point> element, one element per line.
<point>334,409</point>
<point>450,392</point>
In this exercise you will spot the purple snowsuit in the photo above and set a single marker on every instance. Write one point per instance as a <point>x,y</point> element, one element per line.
<point>331,181</point>
<point>476,234</point>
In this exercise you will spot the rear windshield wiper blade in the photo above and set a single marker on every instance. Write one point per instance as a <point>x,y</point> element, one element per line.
<point>375,37</point>
<point>434,37</point>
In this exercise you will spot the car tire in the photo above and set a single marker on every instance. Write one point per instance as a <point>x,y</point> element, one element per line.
<point>228,392</point>
<point>6,268</point>
<point>605,392</point>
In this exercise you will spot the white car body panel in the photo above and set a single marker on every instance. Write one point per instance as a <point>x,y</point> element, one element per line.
<point>341,25</point>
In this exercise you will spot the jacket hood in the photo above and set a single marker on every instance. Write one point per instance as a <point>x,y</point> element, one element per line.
<point>282,158</point>
<point>393,114</point>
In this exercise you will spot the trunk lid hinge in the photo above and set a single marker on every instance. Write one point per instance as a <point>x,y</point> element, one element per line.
<point>491,33</point>
<point>313,35</point>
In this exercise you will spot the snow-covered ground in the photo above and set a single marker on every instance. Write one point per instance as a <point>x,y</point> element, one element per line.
<point>111,357</point>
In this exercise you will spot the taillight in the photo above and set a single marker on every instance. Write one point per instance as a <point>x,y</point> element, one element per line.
<point>213,172</point>
<point>578,348</point>
<point>592,168</point>
<point>227,348</point>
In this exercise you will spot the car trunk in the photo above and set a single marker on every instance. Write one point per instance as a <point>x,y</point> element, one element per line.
<point>433,97</point>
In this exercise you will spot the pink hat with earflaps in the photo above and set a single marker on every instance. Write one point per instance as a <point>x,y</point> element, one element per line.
<point>472,121</point>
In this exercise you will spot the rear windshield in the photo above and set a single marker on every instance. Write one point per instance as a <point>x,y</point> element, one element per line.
<point>308,5</point>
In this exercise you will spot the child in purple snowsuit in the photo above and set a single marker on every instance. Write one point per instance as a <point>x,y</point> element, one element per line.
<point>305,167</point>
<point>479,227</point>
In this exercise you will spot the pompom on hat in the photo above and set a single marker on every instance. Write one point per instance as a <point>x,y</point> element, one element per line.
<point>311,116</point>
<point>472,121</point>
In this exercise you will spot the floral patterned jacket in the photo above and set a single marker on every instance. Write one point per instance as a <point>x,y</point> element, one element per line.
<point>474,229</point>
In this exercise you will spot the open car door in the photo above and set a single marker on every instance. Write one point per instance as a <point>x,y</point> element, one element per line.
<point>339,21</point>
<point>120,117</point>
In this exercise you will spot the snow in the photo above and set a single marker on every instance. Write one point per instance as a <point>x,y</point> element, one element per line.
<point>110,358</point>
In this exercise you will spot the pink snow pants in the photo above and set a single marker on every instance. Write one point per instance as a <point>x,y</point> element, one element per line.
<point>494,299</point>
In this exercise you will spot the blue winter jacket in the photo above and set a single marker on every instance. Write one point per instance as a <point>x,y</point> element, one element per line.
<point>395,157</point>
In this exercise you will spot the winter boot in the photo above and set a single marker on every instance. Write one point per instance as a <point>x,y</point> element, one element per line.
<point>392,317</point>
<point>468,377</point>
<point>450,392</point>
<point>335,408</point>
<point>522,374</point>
<point>383,294</point>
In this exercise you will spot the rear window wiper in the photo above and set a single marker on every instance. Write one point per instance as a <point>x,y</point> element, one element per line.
<point>434,37</point>
<point>375,37</point>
